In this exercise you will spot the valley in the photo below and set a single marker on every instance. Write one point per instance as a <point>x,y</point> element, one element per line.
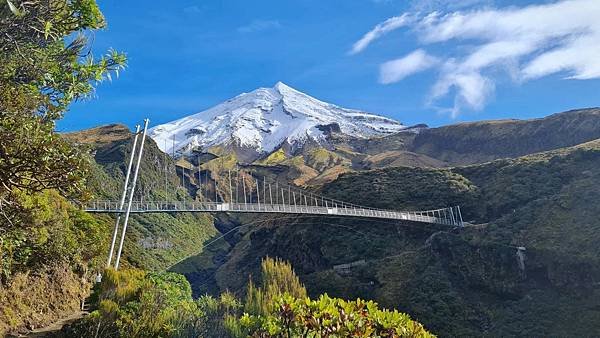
<point>528,243</point>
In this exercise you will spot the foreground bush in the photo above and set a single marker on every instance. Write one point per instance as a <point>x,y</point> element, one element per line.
<point>277,278</point>
<point>279,307</point>
<point>134,303</point>
<point>330,317</point>
<point>46,268</point>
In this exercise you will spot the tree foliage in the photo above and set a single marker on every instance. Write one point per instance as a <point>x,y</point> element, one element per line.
<point>42,44</point>
<point>55,232</point>
<point>45,67</point>
<point>277,278</point>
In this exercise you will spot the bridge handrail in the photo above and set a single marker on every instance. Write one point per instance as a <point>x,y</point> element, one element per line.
<point>108,202</point>
<point>444,215</point>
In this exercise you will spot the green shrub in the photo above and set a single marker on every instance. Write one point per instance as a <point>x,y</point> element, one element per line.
<point>56,232</point>
<point>133,303</point>
<point>277,278</point>
<point>330,317</point>
<point>219,315</point>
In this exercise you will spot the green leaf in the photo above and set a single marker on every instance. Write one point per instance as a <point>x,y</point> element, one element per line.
<point>47,29</point>
<point>13,8</point>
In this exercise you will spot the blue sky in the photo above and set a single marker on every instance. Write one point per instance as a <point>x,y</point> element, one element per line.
<point>473,60</point>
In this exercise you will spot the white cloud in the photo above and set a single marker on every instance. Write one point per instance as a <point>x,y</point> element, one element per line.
<point>396,70</point>
<point>581,57</point>
<point>473,90</point>
<point>259,25</point>
<point>527,42</point>
<point>380,30</point>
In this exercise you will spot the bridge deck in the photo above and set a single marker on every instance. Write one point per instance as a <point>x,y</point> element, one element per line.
<point>440,216</point>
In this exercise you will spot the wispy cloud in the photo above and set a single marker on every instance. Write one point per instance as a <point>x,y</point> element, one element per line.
<point>527,42</point>
<point>431,5</point>
<point>396,70</point>
<point>259,25</point>
<point>380,30</point>
<point>436,5</point>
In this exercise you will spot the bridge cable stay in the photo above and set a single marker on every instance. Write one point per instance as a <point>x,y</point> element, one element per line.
<point>294,195</point>
<point>216,190</point>
<point>312,203</point>
<point>131,193</point>
<point>297,202</point>
<point>123,196</point>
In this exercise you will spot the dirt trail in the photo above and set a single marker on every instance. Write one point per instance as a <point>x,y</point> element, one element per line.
<point>57,325</point>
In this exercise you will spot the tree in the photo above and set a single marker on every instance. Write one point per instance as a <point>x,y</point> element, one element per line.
<point>277,278</point>
<point>45,67</point>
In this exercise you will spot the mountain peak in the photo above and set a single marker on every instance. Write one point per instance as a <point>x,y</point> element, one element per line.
<point>280,85</point>
<point>263,120</point>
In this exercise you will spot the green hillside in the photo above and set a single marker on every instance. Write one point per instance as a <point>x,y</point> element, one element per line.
<point>457,282</point>
<point>476,142</point>
<point>154,241</point>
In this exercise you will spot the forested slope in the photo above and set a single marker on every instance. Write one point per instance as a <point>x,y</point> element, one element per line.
<point>526,264</point>
<point>153,241</point>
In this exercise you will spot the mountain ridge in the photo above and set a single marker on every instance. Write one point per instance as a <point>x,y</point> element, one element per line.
<point>482,141</point>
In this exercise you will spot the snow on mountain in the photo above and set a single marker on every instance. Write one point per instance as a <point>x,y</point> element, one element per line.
<point>266,118</point>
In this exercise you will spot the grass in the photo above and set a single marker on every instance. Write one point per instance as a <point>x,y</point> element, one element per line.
<point>321,159</point>
<point>275,157</point>
<point>100,135</point>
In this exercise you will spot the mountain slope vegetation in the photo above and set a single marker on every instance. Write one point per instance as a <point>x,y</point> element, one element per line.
<point>525,264</point>
<point>154,241</point>
<point>458,144</point>
<point>476,142</point>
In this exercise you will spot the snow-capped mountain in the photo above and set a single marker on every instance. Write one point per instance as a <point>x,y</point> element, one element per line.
<point>267,118</point>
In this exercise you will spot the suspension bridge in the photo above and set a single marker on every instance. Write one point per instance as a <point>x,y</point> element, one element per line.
<point>243,192</point>
<point>446,216</point>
